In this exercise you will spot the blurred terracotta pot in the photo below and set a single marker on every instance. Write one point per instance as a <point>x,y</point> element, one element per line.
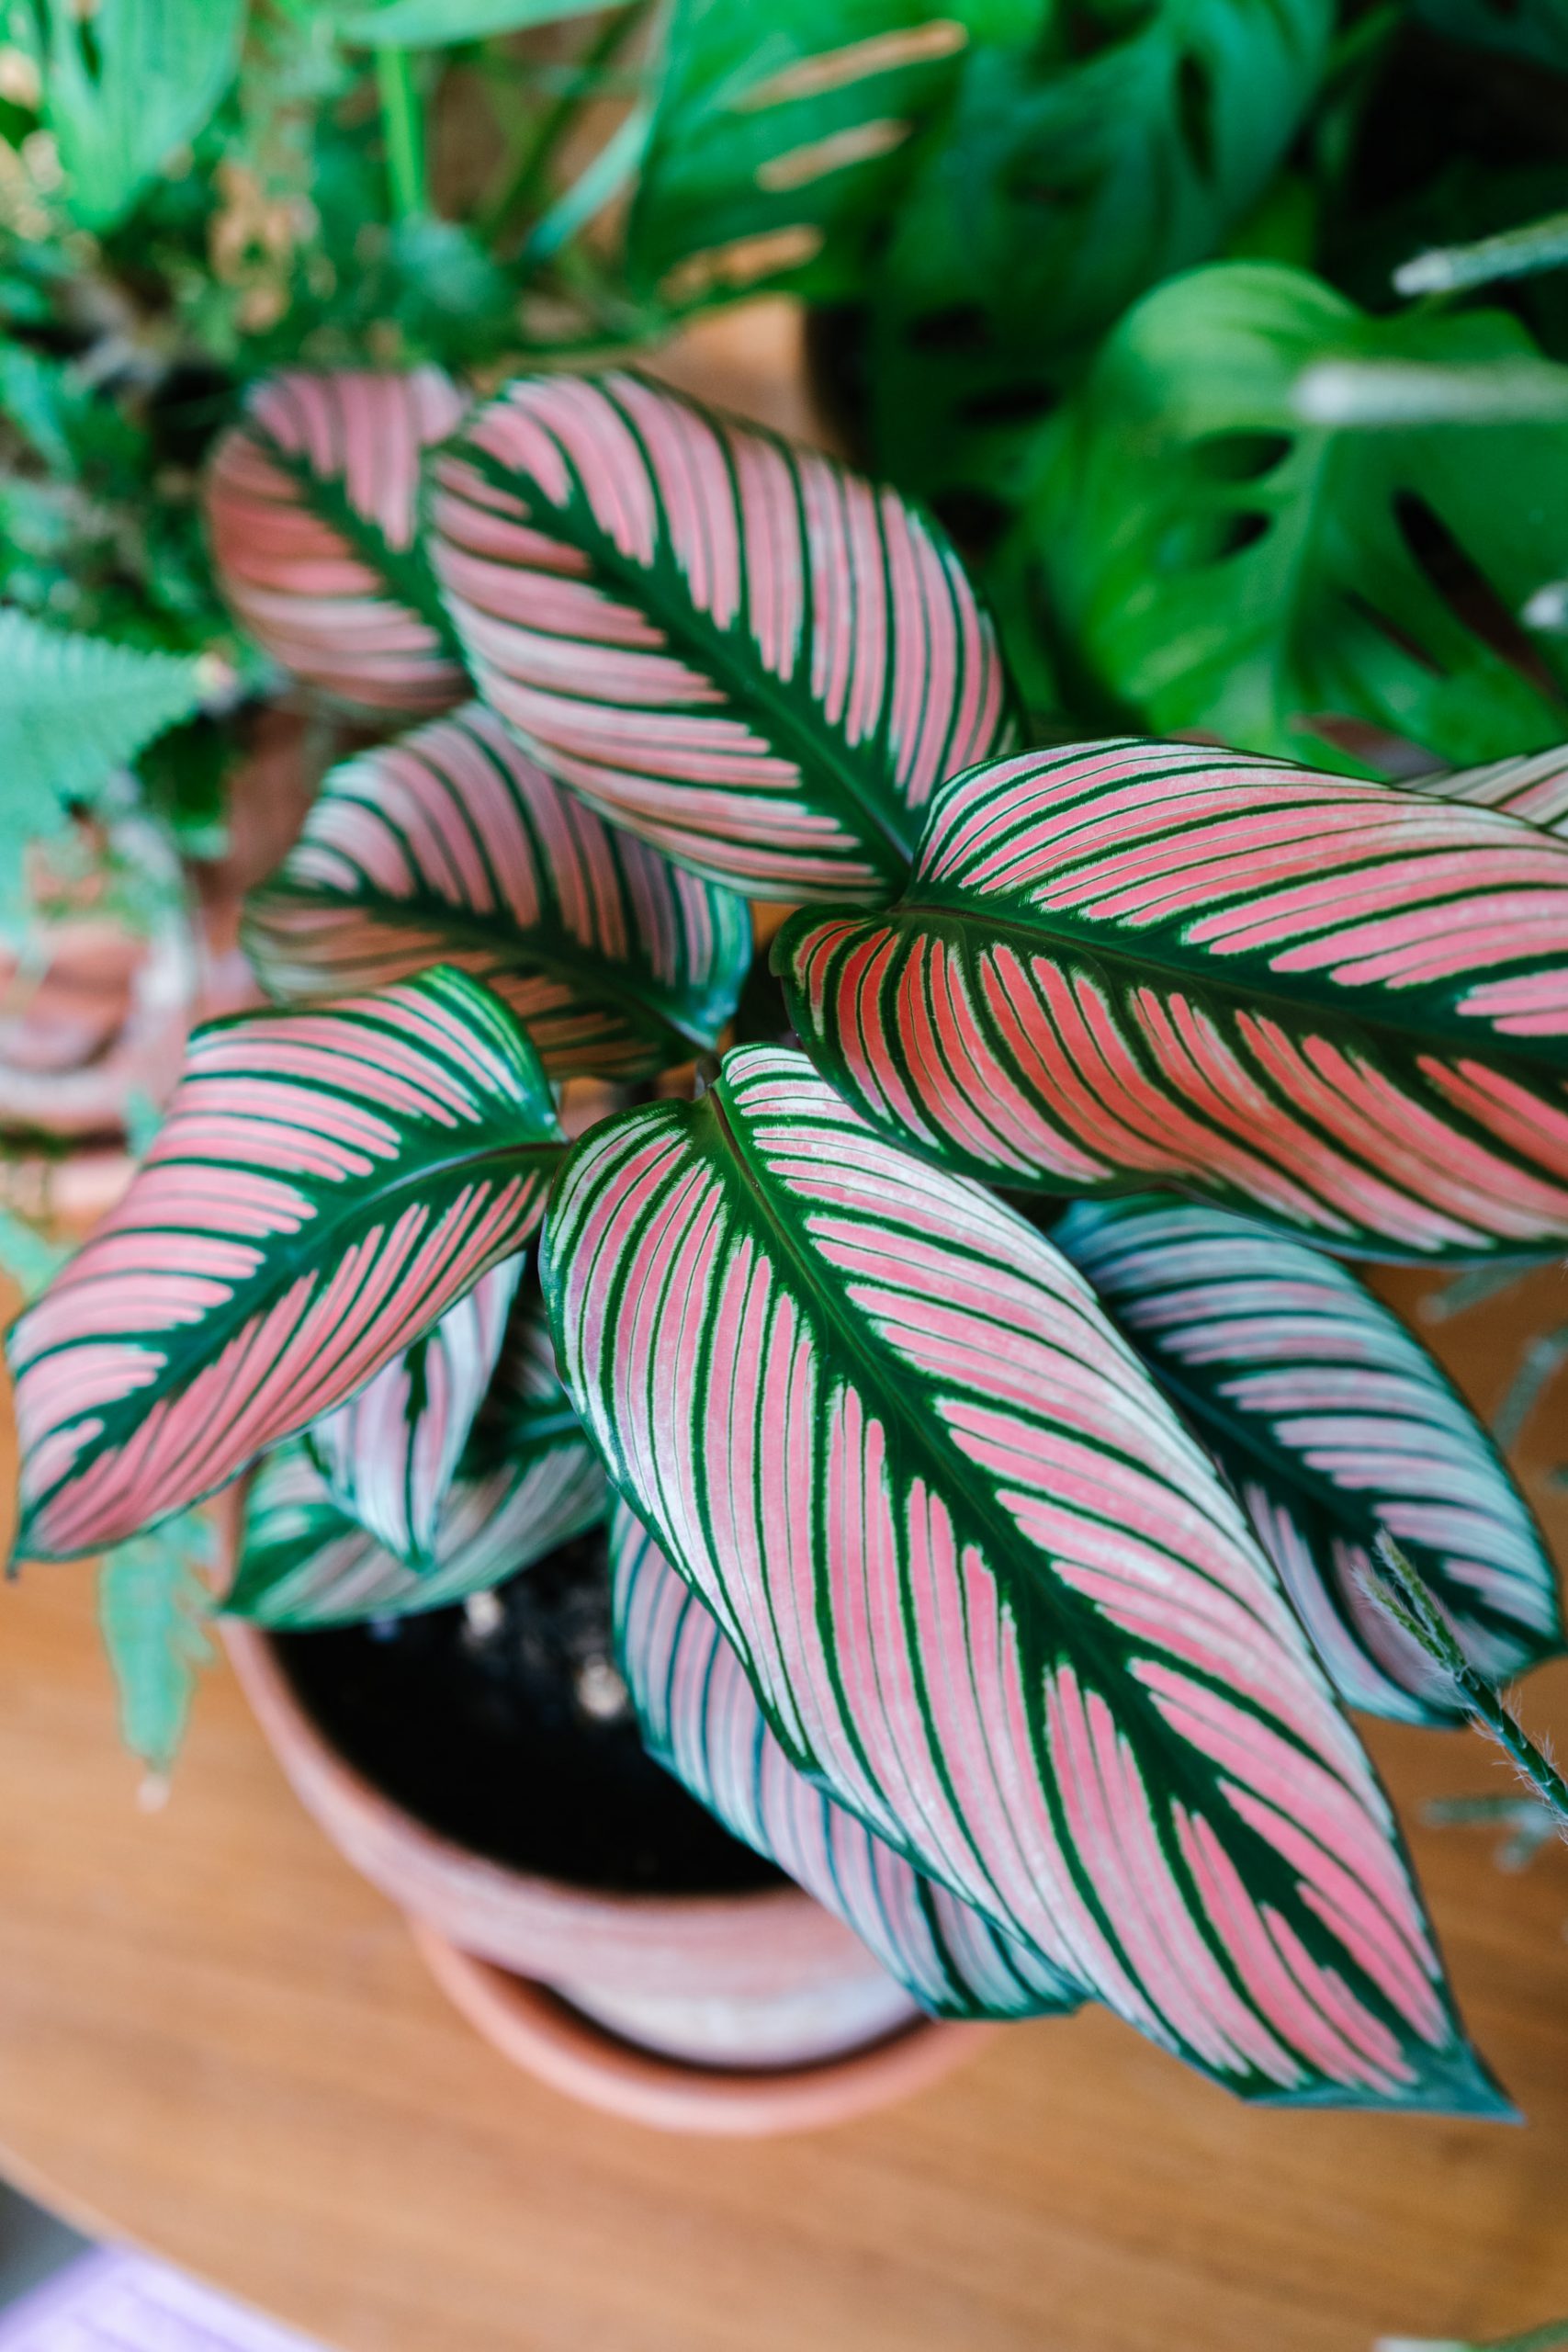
<point>742,2014</point>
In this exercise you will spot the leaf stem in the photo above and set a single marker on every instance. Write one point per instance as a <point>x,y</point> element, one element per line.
<point>1408,1601</point>
<point>403,126</point>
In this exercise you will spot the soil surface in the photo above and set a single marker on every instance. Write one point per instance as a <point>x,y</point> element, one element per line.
<point>505,1726</point>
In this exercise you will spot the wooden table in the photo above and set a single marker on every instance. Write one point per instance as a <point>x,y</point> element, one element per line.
<point>216,2041</point>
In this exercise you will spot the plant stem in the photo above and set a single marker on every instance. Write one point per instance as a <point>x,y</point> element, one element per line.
<point>527,180</point>
<point>402,125</point>
<point>1408,1602</point>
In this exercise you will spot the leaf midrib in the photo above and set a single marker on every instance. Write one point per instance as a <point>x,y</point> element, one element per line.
<point>1245,985</point>
<point>648,1009</point>
<point>748,686</point>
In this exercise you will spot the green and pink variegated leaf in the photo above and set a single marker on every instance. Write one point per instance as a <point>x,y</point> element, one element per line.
<point>1534,786</point>
<point>389,1455</point>
<point>304,1563</point>
<point>311,512</point>
<point>453,846</point>
<point>761,663</point>
<point>1333,1423</point>
<point>699,1716</point>
<point>990,1593</point>
<point>326,1185</point>
<point>1338,1004</point>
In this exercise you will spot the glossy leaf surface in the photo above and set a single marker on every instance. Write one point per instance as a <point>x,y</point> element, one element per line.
<point>390,1453</point>
<point>1340,1004</point>
<point>755,660</point>
<point>451,846</point>
<point>989,1592</point>
<point>1333,1424</point>
<point>325,1186</point>
<point>699,1716</point>
<point>310,508</point>
<point>1216,560</point>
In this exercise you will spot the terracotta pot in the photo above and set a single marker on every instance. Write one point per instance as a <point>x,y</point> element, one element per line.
<point>742,2014</point>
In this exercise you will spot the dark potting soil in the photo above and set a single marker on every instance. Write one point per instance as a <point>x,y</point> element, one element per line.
<point>506,1728</point>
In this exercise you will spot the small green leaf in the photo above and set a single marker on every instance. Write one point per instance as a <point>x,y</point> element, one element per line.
<point>153,1601</point>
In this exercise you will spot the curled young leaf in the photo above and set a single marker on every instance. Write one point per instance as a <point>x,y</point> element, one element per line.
<point>989,1592</point>
<point>451,846</point>
<point>327,1184</point>
<point>1338,1004</point>
<point>390,1453</point>
<point>759,661</point>
<point>312,509</point>
<point>1333,1425</point>
<point>699,1716</point>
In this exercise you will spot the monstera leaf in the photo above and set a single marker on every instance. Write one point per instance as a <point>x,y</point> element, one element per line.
<point>884,1431</point>
<point>698,1715</point>
<point>390,1453</point>
<point>1333,1425</point>
<point>1214,562</point>
<point>325,1186</point>
<point>1332,1001</point>
<point>1537,29</point>
<point>757,662</point>
<point>1075,171</point>
<point>310,508</point>
<point>782,140</point>
<point>452,846</point>
<point>528,1480</point>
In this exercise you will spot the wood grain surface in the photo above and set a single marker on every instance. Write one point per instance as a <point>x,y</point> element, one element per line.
<point>215,2040</point>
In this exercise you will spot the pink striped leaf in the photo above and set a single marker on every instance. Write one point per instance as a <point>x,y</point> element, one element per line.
<point>991,1595</point>
<point>326,1185</point>
<point>699,1716</point>
<point>390,1453</point>
<point>1534,787</point>
<point>453,846</point>
<point>1340,1003</point>
<point>1331,1422</point>
<point>311,512</point>
<point>757,661</point>
<point>528,1481</point>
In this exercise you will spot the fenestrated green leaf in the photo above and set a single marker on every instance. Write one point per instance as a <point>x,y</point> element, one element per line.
<point>438,24</point>
<point>1531,28</point>
<point>1216,564</point>
<point>990,1594</point>
<point>451,846</point>
<point>1335,1427</point>
<point>528,1481</point>
<point>1336,1003</point>
<point>127,85</point>
<point>753,657</point>
<point>1076,168</point>
<point>72,710</point>
<point>326,1184</point>
<point>781,136</point>
<point>153,1599</point>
